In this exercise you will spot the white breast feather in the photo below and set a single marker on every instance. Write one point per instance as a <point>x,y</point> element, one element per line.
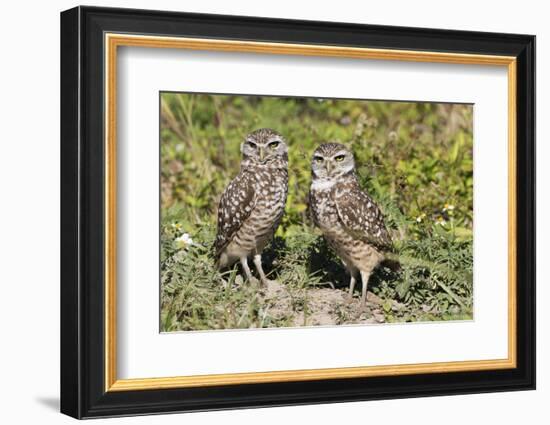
<point>322,184</point>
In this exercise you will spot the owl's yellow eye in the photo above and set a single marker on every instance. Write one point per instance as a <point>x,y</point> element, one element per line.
<point>318,159</point>
<point>274,145</point>
<point>251,144</point>
<point>339,158</point>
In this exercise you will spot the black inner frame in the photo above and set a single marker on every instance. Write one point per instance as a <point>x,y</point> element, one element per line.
<point>82,212</point>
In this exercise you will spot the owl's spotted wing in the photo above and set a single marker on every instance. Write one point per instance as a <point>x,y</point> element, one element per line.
<point>236,204</point>
<point>362,218</point>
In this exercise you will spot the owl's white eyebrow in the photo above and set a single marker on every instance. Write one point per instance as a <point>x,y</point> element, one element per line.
<point>339,153</point>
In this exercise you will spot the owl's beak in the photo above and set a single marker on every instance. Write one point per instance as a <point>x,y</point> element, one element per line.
<point>328,166</point>
<point>262,154</point>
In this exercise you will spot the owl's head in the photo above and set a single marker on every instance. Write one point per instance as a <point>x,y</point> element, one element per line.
<point>265,146</point>
<point>331,161</point>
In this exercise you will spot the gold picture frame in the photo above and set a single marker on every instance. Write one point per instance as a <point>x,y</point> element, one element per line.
<point>114,41</point>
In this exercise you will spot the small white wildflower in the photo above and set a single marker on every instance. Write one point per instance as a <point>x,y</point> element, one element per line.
<point>420,218</point>
<point>180,147</point>
<point>448,207</point>
<point>441,221</point>
<point>176,226</point>
<point>184,241</point>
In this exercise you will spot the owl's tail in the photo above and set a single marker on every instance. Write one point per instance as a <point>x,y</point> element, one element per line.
<point>392,263</point>
<point>396,261</point>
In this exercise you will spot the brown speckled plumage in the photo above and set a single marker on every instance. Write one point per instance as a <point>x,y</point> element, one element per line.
<point>349,218</point>
<point>252,205</point>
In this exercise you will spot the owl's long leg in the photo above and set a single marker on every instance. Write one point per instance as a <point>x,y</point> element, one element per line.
<point>247,272</point>
<point>353,276</point>
<point>365,278</point>
<point>259,268</point>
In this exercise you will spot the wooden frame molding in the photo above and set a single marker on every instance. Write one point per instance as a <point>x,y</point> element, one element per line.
<point>114,40</point>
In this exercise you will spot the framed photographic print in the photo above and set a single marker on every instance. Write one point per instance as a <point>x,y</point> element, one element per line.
<point>261,212</point>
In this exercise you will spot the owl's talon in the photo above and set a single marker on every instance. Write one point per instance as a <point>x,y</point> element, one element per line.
<point>254,281</point>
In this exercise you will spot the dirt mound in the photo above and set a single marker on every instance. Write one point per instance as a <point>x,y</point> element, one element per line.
<point>320,306</point>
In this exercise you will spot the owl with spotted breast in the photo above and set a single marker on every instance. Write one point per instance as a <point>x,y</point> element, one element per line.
<point>349,219</point>
<point>252,205</point>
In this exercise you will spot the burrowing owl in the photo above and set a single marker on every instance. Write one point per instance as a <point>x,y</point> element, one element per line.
<point>349,219</point>
<point>252,205</point>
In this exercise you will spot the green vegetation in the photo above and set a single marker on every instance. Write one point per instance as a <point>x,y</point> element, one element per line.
<point>415,159</point>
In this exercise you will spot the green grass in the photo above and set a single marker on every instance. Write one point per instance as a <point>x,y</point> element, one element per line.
<point>415,159</point>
